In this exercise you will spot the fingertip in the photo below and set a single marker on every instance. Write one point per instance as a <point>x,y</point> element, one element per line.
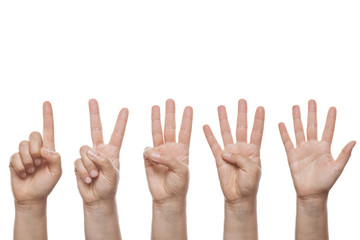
<point>242,101</point>
<point>226,155</point>
<point>88,180</point>
<point>124,111</point>
<point>170,101</point>
<point>221,107</point>
<point>188,109</point>
<point>312,101</point>
<point>260,109</point>
<point>92,101</point>
<point>47,107</point>
<point>332,109</point>
<point>37,162</point>
<point>296,108</point>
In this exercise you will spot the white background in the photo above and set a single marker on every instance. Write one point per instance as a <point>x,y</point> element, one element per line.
<point>201,53</point>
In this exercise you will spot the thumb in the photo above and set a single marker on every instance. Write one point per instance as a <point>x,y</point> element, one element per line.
<point>240,161</point>
<point>345,154</point>
<point>52,158</point>
<point>156,156</point>
<point>103,162</point>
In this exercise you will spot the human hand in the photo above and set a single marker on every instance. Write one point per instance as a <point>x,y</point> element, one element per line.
<point>313,168</point>
<point>238,165</point>
<point>167,162</point>
<point>36,168</point>
<point>97,171</point>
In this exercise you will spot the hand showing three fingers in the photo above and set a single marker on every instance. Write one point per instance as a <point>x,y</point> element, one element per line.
<point>97,170</point>
<point>36,168</point>
<point>167,162</point>
<point>238,165</point>
<point>313,168</point>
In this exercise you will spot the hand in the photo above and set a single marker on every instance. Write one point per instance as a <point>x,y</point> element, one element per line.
<point>167,162</point>
<point>313,169</point>
<point>238,165</point>
<point>97,170</point>
<point>36,168</point>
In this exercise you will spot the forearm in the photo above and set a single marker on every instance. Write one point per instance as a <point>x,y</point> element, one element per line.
<point>30,221</point>
<point>240,220</point>
<point>169,220</point>
<point>101,221</point>
<point>311,219</point>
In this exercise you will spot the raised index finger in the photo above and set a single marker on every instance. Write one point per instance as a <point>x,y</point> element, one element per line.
<point>48,132</point>
<point>95,123</point>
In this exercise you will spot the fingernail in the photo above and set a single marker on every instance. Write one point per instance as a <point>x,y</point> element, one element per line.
<point>226,155</point>
<point>92,153</point>
<point>31,170</point>
<point>93,173</point>
<point>37,162</point>
<point>88,180</point>
<point>155,155</point>
<point>23,175</point>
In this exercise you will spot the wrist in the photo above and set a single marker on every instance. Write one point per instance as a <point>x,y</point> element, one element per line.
<point>170,207</point>
<point>241,206</point>
<point>99,205</point>
<point>167,203</point>
<point>312,201</point>
<point>34,208</point>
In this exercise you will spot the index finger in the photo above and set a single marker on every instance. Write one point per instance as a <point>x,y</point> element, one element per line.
<point>48,132</point>
<point>95,123</point>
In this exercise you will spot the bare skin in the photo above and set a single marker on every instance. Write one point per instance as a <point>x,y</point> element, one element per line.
<point>97,173</point>
<point>35,170</point>
<point>239,170</point>
<point>167,173</point>
<point>314,171</point>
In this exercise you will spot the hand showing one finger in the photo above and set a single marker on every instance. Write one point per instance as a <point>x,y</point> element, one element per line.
<point>36,168</point>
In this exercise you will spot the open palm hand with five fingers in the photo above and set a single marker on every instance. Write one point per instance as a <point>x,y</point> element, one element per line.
<point>313,168</point>
<point>167,162</point>
<point>36,168</point>
<point>238,164</point>
<point>97,170</point>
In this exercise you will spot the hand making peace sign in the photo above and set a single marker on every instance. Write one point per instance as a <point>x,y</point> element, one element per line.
<point>97,170</point>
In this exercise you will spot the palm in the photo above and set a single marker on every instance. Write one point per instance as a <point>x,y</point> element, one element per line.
<point>32,187</point>
<point>313,169</point>
<point>235,182</point>
<point>103,187</point>
<point>165,183</point>
<point>240,173</point>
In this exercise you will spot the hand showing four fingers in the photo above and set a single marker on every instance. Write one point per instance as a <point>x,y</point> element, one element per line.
<point>97,170</point>
<point>36,168</point>
<point>313,168</point>
<point>167,162</point>
<point>238,164</point>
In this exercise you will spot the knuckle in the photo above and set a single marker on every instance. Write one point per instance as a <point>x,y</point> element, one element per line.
<point>34,135</point>
<point>83,148</point>
<point>23,144</point>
